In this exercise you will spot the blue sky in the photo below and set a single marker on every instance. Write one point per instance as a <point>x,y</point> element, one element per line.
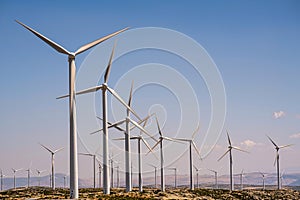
<point>255,45</point>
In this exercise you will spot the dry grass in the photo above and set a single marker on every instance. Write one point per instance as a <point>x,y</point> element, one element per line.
<point>47,193</point>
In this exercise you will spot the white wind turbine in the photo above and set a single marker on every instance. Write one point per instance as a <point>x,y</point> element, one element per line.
<point>263,175</point>
<point>39,176</point>
<point>155,176</point>
<point>127,121</point>
<point>160,141</point>
<point>14,172</point>
<point>241,179</point>
<point>281,178</point>
<point>28,174</point>
<point>52,163</point>
<point>65,181</point>
<point>216,178</point>
<point>230,147</point>
<point>99,172</point>
<point>277,159</point>
<point>1,181</point>
<point>175,175</point>
<point>94,165</point>
<point>111,160</point>
<point>197,175</point>
<point>126,132</point>
<point>72,107</point>
<point>104,87</point>
<point>191,145</point>
<point>139,138</point>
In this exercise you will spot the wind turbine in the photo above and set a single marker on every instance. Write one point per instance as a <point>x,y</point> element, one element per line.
<point>39,175</point>
<point>216,178</point>
<point>72,107</point>
<point>118,176</point>
<point>52,163</point>
<point>128,120</point>
<point>277,159</point>
<point>1,176</point>
<point>175,173</point>
<point>94,164</point>
<point>104,87</point>
<point>241,178</point>
<point>263,180</point>
<point>197,175</point>
<point>28,174</point>
<point>160,141</point>
<point>281,178</point>
<point>100,170</point>
<point>155,172</point>
<point>139,138</point>
<point>230,147</point>
<point>191,145</point>
<point>65,181</point>
<point>15,171</point>
<point>112,171</point>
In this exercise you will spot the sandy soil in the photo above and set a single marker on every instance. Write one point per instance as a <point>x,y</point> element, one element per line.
<point>47,193</point>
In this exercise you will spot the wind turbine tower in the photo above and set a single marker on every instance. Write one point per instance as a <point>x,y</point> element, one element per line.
<point>230,147</point>
<point>52,163</point>
<point>277,148</point>
<point>72,107</point>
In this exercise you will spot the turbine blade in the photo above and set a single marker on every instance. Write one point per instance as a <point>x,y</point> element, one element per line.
<point>223,154</point>
<point>61,97</point>
<point>58,150</point>
<point>275,158</point>
<point>107,71</point>
<point>182,139</point>
<point>89,90</point>
<point>159,131</point>
<point>212,170</point>
<point>273,142</point>
<point>122,101</point>
<point>117,124</point>
<point>142,129</point>
<point>94,43</point>
<point>155,145</point>
<point>283,146</point>
<point>196,148</point>
<point>85,154</point>
<point>57,47</point>
<point>95,132</point>
<point>101,120</point>
<point>228,138</point>
<point>151,165</point>
<point>119,139</point>
<point>109,123</point>
<point>46,148</point>
<point>148,146</point>
<point>130,95</point>
<point>239,149</point>
<point>196,131</point>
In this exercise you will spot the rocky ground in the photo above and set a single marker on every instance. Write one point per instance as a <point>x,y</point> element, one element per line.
<point>47,193</point>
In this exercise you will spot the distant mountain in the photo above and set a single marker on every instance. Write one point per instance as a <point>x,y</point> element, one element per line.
<point>253,179</point>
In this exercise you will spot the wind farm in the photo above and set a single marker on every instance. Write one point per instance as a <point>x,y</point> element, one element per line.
<point>157,108</point>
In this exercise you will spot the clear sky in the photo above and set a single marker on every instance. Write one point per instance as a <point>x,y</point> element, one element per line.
<point>254,44</point>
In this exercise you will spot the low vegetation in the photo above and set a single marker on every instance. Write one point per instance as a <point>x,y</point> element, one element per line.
<point>47,193</point>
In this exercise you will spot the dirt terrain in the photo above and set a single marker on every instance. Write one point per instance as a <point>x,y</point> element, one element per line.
<point>47,193</point>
